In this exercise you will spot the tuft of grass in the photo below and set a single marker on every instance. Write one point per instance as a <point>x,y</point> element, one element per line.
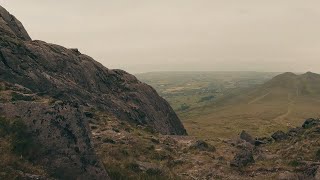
<point>2,87</point>
<point>109,141</point>
<point>131,171</point>
<point>295,163</point>
<point>4,127</point>
<point>22,143</point>
<point>206,98</point>
<point>183,107</point>
<point>17,148</point>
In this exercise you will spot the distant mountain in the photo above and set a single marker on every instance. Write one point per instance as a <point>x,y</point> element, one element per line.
<point>282,102</point>
<point>304,84</point>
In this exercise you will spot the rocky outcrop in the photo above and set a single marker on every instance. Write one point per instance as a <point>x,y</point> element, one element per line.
<point>295,131</point>
<point>202,146</point>
<point>279,136</point>
<point>310,123</point>
<point>11,26</point>
<point>63,137</point>
<point>66,74</point>
<point>247,137</point>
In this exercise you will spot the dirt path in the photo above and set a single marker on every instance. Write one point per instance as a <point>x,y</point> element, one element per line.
<point>259,98</point>
<point>281,119</point>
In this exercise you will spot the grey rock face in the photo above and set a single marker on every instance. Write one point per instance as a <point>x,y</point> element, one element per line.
<point>62,131</point>
<point>66,74</point>
<point>11,26</point>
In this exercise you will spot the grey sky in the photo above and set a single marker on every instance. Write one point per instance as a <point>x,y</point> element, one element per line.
<point>149,35</point>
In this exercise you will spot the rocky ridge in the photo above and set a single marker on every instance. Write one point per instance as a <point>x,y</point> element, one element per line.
<point>54,92</point>
<point>68,75</point>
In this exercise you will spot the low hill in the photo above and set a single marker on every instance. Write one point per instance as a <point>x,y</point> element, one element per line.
<point>280,103</point>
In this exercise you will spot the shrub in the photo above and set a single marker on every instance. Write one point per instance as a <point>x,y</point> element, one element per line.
<point>115,130</point>
<point>109,141</point>
<point>207,98</point>
<point>295,163</point>
<point>2,87</point>
<point>4,127</point>
<point>21,140</point>
<point>124,152</point>
<point>118,173</point>
<point>183,107</point>
<point>133,167</point>
<point>160,155</point>
<point>154,172</point>
<point>20,97</point>
<point>318,155</point>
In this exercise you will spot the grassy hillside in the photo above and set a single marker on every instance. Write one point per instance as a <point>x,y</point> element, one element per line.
<point>281,103</point>
<point>215,105</point>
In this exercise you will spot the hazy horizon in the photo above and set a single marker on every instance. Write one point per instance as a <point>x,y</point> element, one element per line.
<point>181,35</point>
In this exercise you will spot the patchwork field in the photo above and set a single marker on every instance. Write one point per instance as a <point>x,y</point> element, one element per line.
<point>187,90</point>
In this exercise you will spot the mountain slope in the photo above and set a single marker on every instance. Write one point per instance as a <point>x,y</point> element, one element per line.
<point>278,104</point>
<point>53,93</point>
<point>66,74</point>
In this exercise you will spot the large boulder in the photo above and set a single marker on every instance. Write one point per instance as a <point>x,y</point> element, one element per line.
<point>279,136</point>
<point>310,123</point>
<point>247,137</point>
<point>202,146</point>
<point>66,74</point>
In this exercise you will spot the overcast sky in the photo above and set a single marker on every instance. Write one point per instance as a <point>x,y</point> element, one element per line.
<point>166,35</point>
